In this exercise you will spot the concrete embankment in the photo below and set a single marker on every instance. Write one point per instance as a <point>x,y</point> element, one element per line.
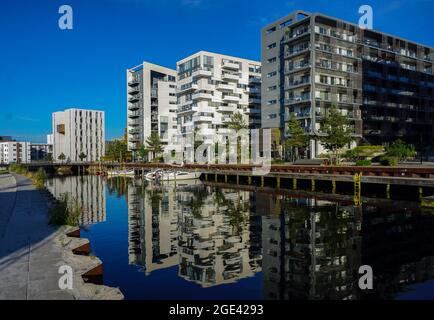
<point>31,251</point>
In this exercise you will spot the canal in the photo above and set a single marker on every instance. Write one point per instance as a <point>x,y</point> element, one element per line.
<point>202,241</point>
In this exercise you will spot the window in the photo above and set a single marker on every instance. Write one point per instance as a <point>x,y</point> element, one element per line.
<point>271,74</point>
<point>286,23</point>
<point>271,46</point>
<point>270,102</point>
<point>271,60</point>
<point>272,116</point>
<point>271,30</point>
<point>272,88</point>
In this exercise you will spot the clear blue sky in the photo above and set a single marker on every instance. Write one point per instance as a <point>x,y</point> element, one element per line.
<point>45,69</point>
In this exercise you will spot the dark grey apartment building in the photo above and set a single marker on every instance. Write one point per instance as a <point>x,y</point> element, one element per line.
<point>384,84</point>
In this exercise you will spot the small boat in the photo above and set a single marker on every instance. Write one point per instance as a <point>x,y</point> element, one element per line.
<point>180,175</point>
<point>154,175</point>
<point>160,175</point>
<point>122,173</point>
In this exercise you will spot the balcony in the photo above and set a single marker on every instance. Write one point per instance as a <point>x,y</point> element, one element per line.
<point>296,34</point>
<point>202,96</point>
<point>134,98</point>
<point>254,101</point>
<point>298,66</point>
<point>255,80</point>
<point>295,52</point>
<point>134,131</point>
<point>223,109</point>
<point>230,65</point>
<point>134,106</point>
<point>188,87</point>
<point>297,83</point>
<point>190,108</point>
<point>201,73</point>
<point>230,98</point>
<point>134,123</point>
<point>134,90</point>
<point>230,76</point>
<point>203,119</point>
<point>134,115</point>
<point>253,111</point>
<point>133,82</point>
<point>225,87</point>
<point>254,90</point>
<point>297,99</point>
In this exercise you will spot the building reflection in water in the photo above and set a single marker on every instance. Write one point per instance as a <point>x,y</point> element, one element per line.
<point>305,247</point>
<point>206,233</point>
<point>312,249</point>
<point>88,190</point>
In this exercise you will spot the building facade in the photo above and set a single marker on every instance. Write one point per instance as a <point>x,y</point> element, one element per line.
<point>151,104</point>
<point>213,87</point>
<point>14,152</point>
<point>384,84</point>
<point>40,151</point>
<point>77,131</point>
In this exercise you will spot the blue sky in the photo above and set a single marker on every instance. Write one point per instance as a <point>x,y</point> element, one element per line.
<point>45,69</point>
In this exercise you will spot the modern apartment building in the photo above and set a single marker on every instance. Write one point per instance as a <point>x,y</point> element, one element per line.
<point>212,87</point>
<point>151,104</point>
<point>40,151</point>
<point>384,84</point>
<point>77,131</point>
<point>14,152</point>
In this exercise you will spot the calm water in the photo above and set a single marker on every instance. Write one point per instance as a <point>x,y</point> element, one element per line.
<point>196,241</point>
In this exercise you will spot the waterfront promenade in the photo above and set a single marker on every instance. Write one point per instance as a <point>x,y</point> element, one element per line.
<point>29,256</point>
<point>31,251</point>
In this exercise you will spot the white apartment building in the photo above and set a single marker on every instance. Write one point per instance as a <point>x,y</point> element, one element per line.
<point>151,104</point>
<point>77,131</point>
<point>15,152</point>
<point>212,87</point>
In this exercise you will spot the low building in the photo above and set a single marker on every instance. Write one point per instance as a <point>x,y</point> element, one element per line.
<point>14,152</point>
<point>77,132</point>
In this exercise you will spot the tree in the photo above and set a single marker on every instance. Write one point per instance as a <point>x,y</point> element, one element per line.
<point>82,156</point>
<point>61,157</point>
<point>299,139</point>
<point>143,151</point>
<point>337,132</point>
<point>237,122</point>
<point>154,144</point>
<point>117,150</point>
<point>401,150</point>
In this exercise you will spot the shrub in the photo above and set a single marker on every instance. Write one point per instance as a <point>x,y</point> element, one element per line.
<point>18,168</point>
<point>389,161</point>
<point>401,150</point>
<point>65,212</point>
<point>363,163</point>
<point>362,152</point>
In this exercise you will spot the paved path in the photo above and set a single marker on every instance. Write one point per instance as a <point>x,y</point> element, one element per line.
<point>29,259</point>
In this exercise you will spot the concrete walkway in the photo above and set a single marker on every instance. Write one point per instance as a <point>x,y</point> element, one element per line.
<point>29,258</point>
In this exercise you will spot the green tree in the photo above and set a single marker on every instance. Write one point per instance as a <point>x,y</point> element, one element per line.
<point>337,132</point>
<point>299,139</point>
<point>237,122</point>
<point>401,150</point>
<point>154,144</point>
<point>143,151</point>
<point>61,157</point>
<point>117,150</point>
<point>82,156</point>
